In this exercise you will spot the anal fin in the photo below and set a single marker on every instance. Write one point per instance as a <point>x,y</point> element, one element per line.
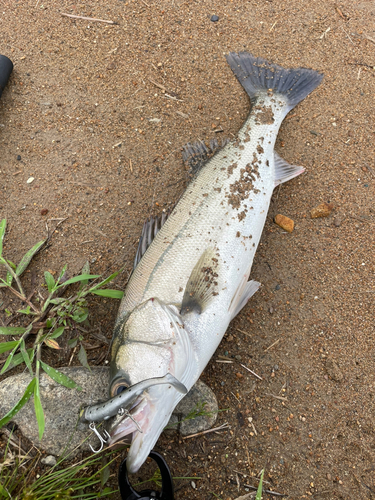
<point>284,171</point>
<point>242,297</point>
<point>202,284</point>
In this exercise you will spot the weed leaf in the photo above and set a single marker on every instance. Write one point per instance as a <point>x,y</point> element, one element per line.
<point>59,377</point>
<point>26,259</point>
<point>11,330</point>
<point>63,271</point>
<point>82,356</point>
<point>58,300</point>
<point>26,357</point>
<point>4,493</point>
<point>3,225</point>
<point>56,334</point>
<point>7,346</point>
<point>39,409</point>
<point>112,294</point>
<point>10,357</point>
<point>260,487</point>
<point>104,474</point>
<point>81,277</point>
<point>104,282</point>
<point>18,358</point>
<point>16,408</point>
<point>50,280</point>
<point>25,311</point>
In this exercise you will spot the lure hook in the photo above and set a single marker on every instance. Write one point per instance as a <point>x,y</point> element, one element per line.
<point>103,440</point>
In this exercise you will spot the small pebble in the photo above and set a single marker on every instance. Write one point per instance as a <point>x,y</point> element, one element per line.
<point>337,221</point>
<point>18,157</point>
<point>322,210</point>
<point>30,180</point>
<point>214,18</point>
<point>44,211</point>
<point>284,222</point>
<point>50,460</point>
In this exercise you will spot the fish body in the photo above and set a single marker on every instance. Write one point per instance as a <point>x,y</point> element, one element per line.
<point>193,279</point>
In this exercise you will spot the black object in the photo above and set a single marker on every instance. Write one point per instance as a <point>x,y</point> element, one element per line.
<point>128,493</point>
<point>214,18</point>
<point>6,67</point>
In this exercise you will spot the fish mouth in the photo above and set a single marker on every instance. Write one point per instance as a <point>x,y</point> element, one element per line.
<point>127,422</point>
<point>143,424</point>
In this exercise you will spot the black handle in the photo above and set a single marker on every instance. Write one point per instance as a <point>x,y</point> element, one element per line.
<point>128,493</point>
<point>6,67</point>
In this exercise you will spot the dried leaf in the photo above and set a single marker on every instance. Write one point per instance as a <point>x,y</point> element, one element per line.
<point>82,356</point>
<point>52,343</point>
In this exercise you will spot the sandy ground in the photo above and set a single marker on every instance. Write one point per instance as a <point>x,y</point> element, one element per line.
<point>98,114</point>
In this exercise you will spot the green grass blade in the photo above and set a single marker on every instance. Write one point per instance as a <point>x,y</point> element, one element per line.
<point>59,377</point>
<point>8,346</point>
<point>260,487</point>
<point>9,279</point>
<point>26,259</point>
<point>39,409</point>
<point>26,357</point>
<point>18,358</point>
<point>112,294</point>
<point>104,282</point>
<point>4,492</point>
<point>12,330</point>
<point>16,408</point>
<point>10,357</point>
<point>81,277</point>
<point>50,280</point>
<point>3,225</point>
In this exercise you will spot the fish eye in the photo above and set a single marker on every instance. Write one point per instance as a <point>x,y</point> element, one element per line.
<point>118,387</point>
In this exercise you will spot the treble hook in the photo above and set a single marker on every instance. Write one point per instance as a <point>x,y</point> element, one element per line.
<point>122,411</point>
<point>103,440</point>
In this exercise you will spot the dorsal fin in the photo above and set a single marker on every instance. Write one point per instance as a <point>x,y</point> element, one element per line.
<point>150,229</point>
<point>197,154</point>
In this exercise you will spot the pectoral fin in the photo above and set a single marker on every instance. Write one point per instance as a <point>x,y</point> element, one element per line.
<point>202,284</point>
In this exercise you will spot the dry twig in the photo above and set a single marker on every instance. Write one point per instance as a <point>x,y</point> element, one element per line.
<point>92,19</point>
<point>220,428</point>
<point>253,373</point>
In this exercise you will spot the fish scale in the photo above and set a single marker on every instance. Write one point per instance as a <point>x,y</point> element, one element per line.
<point>193,278</point>
<point>202,216</point>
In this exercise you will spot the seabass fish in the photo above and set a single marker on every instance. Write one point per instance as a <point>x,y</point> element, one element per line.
<point>193,278</point>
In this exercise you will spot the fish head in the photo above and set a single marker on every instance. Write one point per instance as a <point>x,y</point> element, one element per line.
<point>151,342</point>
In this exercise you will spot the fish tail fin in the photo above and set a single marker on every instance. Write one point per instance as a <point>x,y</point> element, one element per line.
<point>258,76</point>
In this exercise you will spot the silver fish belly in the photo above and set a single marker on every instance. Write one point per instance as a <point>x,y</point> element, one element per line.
<point>193,278</point>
